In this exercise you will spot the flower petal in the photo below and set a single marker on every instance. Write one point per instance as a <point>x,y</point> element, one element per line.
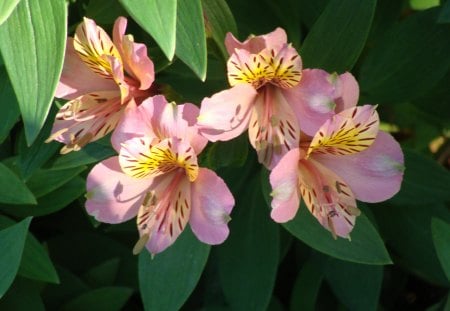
<point>255,44</point>
<point>78,79</point>
<point>212,203</point>
<point>86,119</point>
<point>273,128</point>
<point>134,55</point>
<point>112,196</point>
<point>284,182</point>
<point>327,197</point>
<point>350,131</point>
<point>374,174</point>
<point>347,92</point>
<point>226,114</point>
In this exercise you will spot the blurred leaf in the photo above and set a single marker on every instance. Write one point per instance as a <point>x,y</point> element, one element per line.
<point>32,42</point>
<point>22,296</point>
<point>444,16</point>
<point>6,8</point>
<point>425,181</point>
<point>191,37</point>
<point>338,36</point>
<point>219,20</point>
<point>423,4</point>
<point>407,230</point>
<point>357,286</point>
<point>12,189</point>
<point>103,274</point>
<point>158,18</point>
<point>10,107</point>
<point>366,245</point>
<point>441,239</point>
<point>12,240</point>
<point>51,202</point>
<point>229,153</point>
<point>104,11</point>
<point>386,14</point>
<point>167,280</point>
<point>310,11</point>
<point>109,298</point>
<point>249,257</point>
<point>91,153</point>
<point>307,285</point>
<point>35,263</point>
<point>45,181</point>
<point>408,60</point>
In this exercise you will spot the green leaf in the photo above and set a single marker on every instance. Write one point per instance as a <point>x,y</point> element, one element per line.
<point>191,37</point>
<point>167,280</point>
<point>408,60</point>
<point>407,230</point>
<point>423,4</point>
<point>104,11</point>
<point>357,286</point>
<point>219,20</point>
<point>249,258</point>
<point>158,18</point>
<point>307,285</point>
<point>366,245</point>
<point>311,10</point>
<point>425,181</point>
<point>12,189</point>
<point>91,153</point>
<point>337,38</point>
<point>444,16</point>
<point>22,295</point>
<point>441,239</point>
<point>103,274</point>
<point>32,42</point>
<point>109,298</point>
<point>10,107</point>
<point>45,181</point>
<point>12,240</point>
<point>6,8</point>
<point>228,153</point>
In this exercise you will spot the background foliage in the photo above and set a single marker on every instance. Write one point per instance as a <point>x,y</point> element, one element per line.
<point>54,256</point>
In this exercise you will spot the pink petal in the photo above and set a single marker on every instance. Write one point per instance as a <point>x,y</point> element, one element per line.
<point>347,92</point>
<point>212,203</point>
<point>77,78</point>
<point>112,196</point>
<point>375,174</point>
<point>284,182</point>
<point>313,99</point>
<point>254,44</point>
<point>134,55</point>
<point>226,114</point>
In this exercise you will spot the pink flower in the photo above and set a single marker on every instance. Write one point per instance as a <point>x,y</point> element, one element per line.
<point>273,97</point>
<point>156,177</point>
<point>347,159</point>
<point>100,77</point>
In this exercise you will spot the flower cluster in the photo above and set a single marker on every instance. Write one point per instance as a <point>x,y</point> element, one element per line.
<point>303,123</point>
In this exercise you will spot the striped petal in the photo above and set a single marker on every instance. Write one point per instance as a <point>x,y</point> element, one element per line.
<point>327,197</point>
<point>350,131</point>
<point>255,44</point>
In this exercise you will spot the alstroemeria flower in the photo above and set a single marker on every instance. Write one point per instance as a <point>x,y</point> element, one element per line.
<point>347,159</point>
<point>99,78</point>
<point>273,97</point>
<point>156,177</point>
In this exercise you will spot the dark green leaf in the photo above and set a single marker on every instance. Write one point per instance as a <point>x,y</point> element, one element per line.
<point>91,153</point>
<point>310,11</point>
<point>191,37</point>
<point>22,295</point>
<point>104,11</point>
<point>338,36</point>
<point>249,257</point>
<point>408,60</point>
<point>10,107</point>
<point>6,8</point>
<point>45,181</point>
<point>444,16</point>
<point>12,189</point>
<point>219,20</point>
<point>109,298</point>
<point>32,42</point>
<point>12,240</point>
<point>441,239</point>
<point>104,274</point>
<point>167,280</point>
<point>229,153</point>
<point>425,181</point>
<point>407,230</point>
<point>158,18</point>
<point>366,245</point>
<point>357,286</point>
